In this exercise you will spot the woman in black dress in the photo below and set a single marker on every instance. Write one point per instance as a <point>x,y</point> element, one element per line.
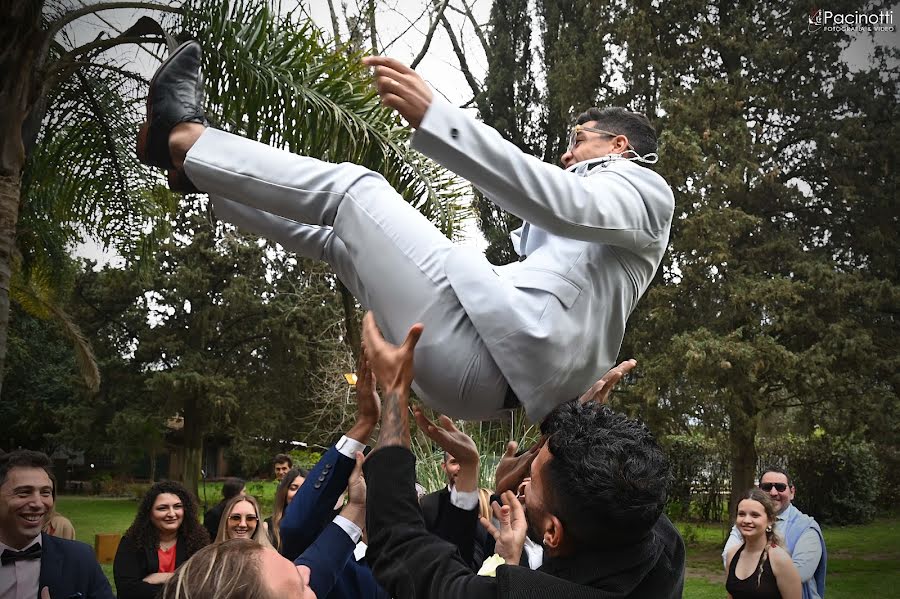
<point>760,569</point>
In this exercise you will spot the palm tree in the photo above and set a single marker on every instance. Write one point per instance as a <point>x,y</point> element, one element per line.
<point>69,111</point>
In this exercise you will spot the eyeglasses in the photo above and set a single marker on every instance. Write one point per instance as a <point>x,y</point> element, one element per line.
<point>237,518</point>
<point>780,487</point>
<point>573,135</point>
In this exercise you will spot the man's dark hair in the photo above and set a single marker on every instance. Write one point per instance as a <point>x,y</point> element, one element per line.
<point>281,458</point>
<point>24,458</point>
<point>633,125</point>
<point>607,478</point>
<point>231,487</point>
<point>777,469</point>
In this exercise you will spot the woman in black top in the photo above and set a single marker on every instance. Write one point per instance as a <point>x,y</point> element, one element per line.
<point>760,569</point>
<point>165,533</point>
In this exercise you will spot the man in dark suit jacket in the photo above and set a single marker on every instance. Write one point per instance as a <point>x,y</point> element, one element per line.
<point>452,512</point>
<point>31,561</point>
<point>595,500</point>
<point>309,535</point>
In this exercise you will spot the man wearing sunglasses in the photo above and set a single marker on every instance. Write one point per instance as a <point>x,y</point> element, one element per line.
<point>536,332</point>
<point>801,533</point>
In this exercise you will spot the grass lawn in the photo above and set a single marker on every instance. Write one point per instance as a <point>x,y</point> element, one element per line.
<point>863,561</point>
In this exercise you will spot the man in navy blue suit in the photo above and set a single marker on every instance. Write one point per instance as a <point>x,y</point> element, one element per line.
<point>331,548</point>
<point>33,563</point>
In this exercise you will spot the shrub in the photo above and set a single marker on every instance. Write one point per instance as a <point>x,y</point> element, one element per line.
<point>837,479</point>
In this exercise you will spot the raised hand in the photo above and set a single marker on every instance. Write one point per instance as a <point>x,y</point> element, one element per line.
<point>393,369</point>
<point>355,509</point>
<point>512,469</point>
<point>400,88</point>
<point>510,535</point>
<point>456,443</point>
<point>600,390</point>
<point>368,403</point>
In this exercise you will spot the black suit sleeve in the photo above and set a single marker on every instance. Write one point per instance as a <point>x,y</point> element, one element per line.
<point>408,561</point>
<point>460,527</point>
<point>129,569</point>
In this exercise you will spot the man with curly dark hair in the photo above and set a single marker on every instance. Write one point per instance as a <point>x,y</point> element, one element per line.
<point>165,533</point>
<point>32,561</point>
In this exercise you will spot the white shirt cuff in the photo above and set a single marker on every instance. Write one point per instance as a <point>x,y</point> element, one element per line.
<point>464,500</point>
<point>353,531</point>
<point>348,447</point>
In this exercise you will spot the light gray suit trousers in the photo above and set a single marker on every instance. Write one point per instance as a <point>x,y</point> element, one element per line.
<point>388,255</point>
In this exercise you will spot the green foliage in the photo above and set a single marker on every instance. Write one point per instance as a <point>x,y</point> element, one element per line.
<point>699,477</point>
<point>837,478</point>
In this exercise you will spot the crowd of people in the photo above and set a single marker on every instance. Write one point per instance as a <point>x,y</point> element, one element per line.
<point>580,513</point>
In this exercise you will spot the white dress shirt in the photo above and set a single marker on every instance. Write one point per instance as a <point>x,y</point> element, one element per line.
<point>20,579</point>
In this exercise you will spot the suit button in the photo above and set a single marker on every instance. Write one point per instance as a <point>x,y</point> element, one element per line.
<point>454,133</point>
<point>327,466</point>
<point>322,478</point>
<point>317,485</point>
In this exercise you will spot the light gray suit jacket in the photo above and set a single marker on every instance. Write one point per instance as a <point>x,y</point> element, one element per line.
<point>553,322</point>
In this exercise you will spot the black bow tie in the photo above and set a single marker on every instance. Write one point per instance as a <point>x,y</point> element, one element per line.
<point>9,556</point>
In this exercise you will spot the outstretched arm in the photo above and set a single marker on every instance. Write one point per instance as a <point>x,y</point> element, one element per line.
<point>631,208</point>
<point>407,560</point>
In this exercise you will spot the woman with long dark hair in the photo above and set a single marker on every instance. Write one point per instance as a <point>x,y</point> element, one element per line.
<point>760,568</point>
<point>165,533</point>
<point>287,488</point>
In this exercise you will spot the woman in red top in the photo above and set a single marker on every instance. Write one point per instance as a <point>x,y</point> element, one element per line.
<point>166,532</point>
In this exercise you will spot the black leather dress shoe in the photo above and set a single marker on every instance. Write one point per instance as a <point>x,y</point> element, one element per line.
<point>175,96</point>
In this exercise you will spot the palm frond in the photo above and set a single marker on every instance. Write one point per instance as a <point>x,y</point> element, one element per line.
<point>273,78</point>
<point>37,295</point>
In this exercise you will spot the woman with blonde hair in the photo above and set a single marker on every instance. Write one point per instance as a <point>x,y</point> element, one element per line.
<point>760,568</point>
<point>240,520</point>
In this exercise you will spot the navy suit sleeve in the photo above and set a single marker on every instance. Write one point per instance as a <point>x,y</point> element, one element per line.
<point>312,507</point>
<point>406,560</point>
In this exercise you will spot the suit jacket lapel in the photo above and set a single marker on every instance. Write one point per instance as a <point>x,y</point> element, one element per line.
<point>52,564</point>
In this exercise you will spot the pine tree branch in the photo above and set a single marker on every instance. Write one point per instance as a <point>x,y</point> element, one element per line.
<point>334,23</point>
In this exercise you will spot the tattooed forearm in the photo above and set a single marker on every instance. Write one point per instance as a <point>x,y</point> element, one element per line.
<point>394,420</point>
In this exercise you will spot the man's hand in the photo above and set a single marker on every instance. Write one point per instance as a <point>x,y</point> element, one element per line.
<point>355,510</point>
<point>368,404</point>
<point>600,390</point>
<point>510,537</point>
<point>393,369</point>
<point>391,365</point>
<point>400,88</point>
<point>512,469</point>
<point>45,593</point>
<point>158,577</point>
<point>456,443</point>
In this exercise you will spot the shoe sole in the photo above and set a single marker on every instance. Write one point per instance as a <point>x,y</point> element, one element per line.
<point>143,138</point>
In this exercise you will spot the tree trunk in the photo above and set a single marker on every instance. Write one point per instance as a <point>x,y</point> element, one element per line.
<point>742,440</point>
<point>20,49</point>
<point>152,465</point>
<point>193,445</point>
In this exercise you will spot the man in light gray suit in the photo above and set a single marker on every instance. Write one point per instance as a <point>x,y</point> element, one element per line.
<point>536,332</point>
